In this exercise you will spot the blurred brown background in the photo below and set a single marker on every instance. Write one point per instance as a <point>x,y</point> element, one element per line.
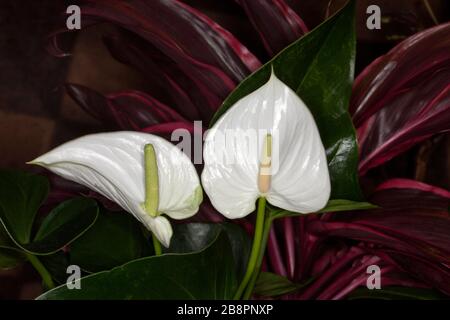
<point>36,114</point>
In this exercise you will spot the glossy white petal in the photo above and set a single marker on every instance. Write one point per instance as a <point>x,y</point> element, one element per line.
<point>112,164</point>
<point>300,181</point>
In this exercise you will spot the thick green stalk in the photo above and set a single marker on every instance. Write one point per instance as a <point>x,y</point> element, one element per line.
<point>256,247</point>
<point>251,285</point>
<point>43,272</point>
<point>156,245</point>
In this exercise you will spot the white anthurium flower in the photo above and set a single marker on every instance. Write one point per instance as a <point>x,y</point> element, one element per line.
<point>266,145</point>
<point>145,174</point>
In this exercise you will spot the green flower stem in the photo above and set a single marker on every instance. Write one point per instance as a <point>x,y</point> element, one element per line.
<point>156,245</point>
<point>266,231</point>
<point>43,272</point>
<point>256,247</point>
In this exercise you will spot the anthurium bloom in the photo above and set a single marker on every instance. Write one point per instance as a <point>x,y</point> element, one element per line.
<point>286,163</point>
<point>113,165</point>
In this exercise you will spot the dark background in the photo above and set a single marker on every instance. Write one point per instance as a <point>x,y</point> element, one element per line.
<point>36,114</point>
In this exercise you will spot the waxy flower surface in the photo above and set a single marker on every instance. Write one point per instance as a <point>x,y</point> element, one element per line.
<point>266,145</point>
<point>113,165</point>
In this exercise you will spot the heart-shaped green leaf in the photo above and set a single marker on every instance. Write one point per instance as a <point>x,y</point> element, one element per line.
<point>272,285</point>
<point>21,195</point>
<point>10,258</point>
<point>320,68</point>
<point>10,255</point>
<point>114,239</point>
<point>5,240</point>
<point>63,225</point>
<point>57,264</point>
<point>191,237</point>
<point>207,274</point>
<point>335,205</point>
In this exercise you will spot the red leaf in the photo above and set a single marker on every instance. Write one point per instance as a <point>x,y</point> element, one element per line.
<point>415,231</point>
<point>277,24</point>
<point>172,85</point>
<point>405,193</point>
<point>403,97</point>
<point>207,54</point>
<point>414,58</point>
<point>129,110</point>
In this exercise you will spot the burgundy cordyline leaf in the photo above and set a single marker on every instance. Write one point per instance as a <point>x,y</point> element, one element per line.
<point>407,119</point>
<point>417,231</point>
<point>289,245</point>
<point>328,256</point>
<point>276,261</point>
<point>291,248</point>
<point>352,279</point>
<point>309,246</point>
<point>129,110</point>
<point>213,59</point>
<point>277,24</point>
<point>406,193</point>
<point>434,274</point>
<point>403,97</point>
<point>411,231</point>
<point>412,58</point>
<point>338,267</point>
<point>346,271</point>
<point>173,86</point>
<point>409,237</point>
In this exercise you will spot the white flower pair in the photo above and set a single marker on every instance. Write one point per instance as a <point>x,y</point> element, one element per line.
<point>114,164</point>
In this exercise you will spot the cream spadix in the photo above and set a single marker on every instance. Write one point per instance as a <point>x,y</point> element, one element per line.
<point>113,164</point>
<point>283,160</point>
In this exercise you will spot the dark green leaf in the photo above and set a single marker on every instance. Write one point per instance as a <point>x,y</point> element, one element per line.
<point>320,67</point>
<point>5,240</point>
<point>113,240</point>
<point>208,274</point>
<point>272,285</point>
<point>346,205</point>
<point>56,264</point>
<point>396,293</point>
<point>10,258</point>
<point>191,237</point>
<point>332,206</point>
<point>63,225</point>
<point>21,195</point>
<point>241,245</point>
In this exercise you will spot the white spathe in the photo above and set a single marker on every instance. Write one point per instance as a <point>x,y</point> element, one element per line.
<point>300,180</point>
<point>112,164</point>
